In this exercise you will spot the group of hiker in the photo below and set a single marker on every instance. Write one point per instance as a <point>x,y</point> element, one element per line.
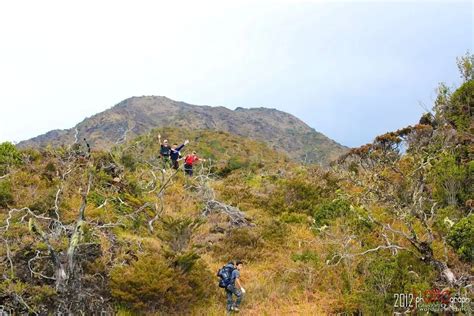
<point>230,273</point>
<point>171,156</point>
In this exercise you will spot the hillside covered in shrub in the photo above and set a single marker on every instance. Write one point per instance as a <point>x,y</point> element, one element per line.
<point>89,231</point>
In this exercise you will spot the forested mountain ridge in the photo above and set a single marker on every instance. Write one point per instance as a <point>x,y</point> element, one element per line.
<point>138,115</point>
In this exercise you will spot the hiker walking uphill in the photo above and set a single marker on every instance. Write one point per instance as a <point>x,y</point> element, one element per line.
<point>230,281</point>
<point>170,155</point>
<point>189,161</point>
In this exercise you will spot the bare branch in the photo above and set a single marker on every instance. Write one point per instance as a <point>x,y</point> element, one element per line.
<point>157,214</point>
<point>20,299</point>
<point>33,272</point>
<point>28,212</point>
<point>352,255</point>
<point>56,203</point>
<point>9,256</point>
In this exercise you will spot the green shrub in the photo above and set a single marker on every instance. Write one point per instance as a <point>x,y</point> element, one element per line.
<point>9,156</point>
<point>133,187</point>
<point>233,163</point>
<point>296,195</point>
<point>461,238</point>
<point>240,243</point>
<point>293,218</point>
<point>45,201</point>
<point>307,256</point>
<point>448,176</point>
<point>445,218</point>
<point>328,211</point>
<point>462,102</point>
<point>176,232</point>
<point>151,284</point>
<point>49,171</point>
<point>386,276</point>
<point>6,196</point>
<point>379,285</point>
<point>96,198</point>
<point>275,231</point>
<point>129,161</point>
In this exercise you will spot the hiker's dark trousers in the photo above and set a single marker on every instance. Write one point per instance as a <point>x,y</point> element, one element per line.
<point>230,291</point>
<point>175,164</point>
<point>188,169</point>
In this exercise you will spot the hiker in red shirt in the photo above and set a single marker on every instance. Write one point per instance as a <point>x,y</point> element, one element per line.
<point>189,161</point>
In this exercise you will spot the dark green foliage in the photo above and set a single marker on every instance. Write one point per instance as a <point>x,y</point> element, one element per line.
<point>427,119</point>
<point>456,108</point>
<point>379,285</point>
<point>6,196</point>
<point>50,171</point>
<point>50,167</point>
<point>387,276</point>
<point>275,231</point>
<point>103,179</point>
<point>445,217</point>
<point>176,233</point>
<point>295,195</point>
<point>9,156</point>
<point>449,178</point>
<point>462,105</point>
<point>95,198</point>
<point>185,261</point>
<point>129,161</point>
<point>241,243</point>
<point>461,238</point>
<point>328,211</point>
<point>45,201</point>
<point>293,218</point>
<point>172,281</point>
<point>307,256</point>
<point>121,208</point>
<point>133,187</point>
<point>233,163</point>
<point>151,284</point>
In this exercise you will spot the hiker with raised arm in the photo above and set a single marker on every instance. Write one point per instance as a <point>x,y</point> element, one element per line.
<point>175,154</point>
<point>230,281</point>
<point>189,161</point>
<point>165,152</point>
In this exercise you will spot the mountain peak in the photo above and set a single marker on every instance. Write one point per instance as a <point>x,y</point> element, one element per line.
<point>138,115</point>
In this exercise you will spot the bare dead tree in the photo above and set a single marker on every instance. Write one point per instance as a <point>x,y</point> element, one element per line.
<point>206,193</point>
<point>56,265</point>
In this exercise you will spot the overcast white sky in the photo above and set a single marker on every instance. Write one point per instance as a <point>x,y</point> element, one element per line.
<point>351,70</point>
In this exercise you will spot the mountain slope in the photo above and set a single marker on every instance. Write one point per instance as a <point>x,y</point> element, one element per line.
<point>138,115</point>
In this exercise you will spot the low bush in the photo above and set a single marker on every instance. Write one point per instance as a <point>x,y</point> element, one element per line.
<point>6,196</point>
<point>461,238</point>
<point>150,284</point>
<point>328,211</point>
<point>241,243</point>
